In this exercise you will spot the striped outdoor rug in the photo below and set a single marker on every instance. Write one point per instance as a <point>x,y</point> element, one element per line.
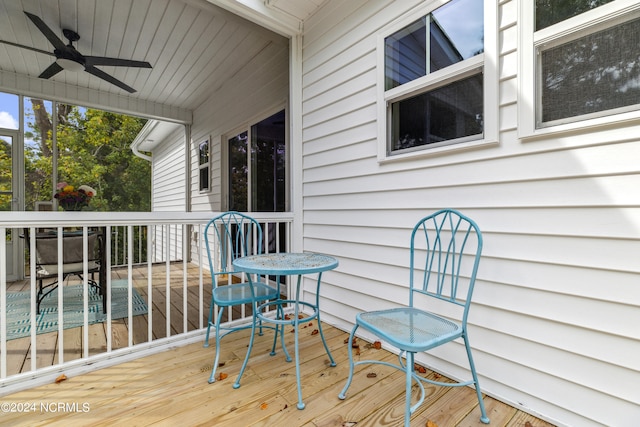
<point>19,309</point>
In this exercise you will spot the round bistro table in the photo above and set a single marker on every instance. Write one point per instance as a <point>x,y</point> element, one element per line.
<point>290,264</point>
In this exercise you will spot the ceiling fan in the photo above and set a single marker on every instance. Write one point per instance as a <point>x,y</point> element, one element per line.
<point>68,58</point>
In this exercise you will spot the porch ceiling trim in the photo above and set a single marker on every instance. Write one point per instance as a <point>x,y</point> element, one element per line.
<point>49,89</point>
<point>260,13</point>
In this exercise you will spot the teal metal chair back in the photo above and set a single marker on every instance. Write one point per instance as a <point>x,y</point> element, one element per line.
<point>445,251</point>
<point>445,254</point>
<point>229,236</point>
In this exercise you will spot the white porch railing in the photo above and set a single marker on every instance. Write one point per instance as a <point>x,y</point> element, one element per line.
<point>160,254</point>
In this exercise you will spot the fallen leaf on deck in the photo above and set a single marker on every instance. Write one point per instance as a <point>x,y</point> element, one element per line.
<point>377,345</point>
<point>420,369</point>
<point>431,424</point>
<point>264,406</point>
<point>222,376</point>
<point>528,424</point>
<point>314,332</point>
<point>61,378</point>
<point>372,375</point>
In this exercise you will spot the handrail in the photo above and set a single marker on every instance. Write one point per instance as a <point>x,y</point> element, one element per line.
<point>175,246</point>
<point>79,219</point>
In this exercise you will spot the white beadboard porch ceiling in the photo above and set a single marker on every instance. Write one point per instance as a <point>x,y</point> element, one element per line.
<point>194,46</point>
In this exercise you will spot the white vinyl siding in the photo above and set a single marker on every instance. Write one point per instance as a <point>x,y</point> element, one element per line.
<point>168,195</point>
<point>169,173</point>
<point>553,323</point>
<point>254,90</point>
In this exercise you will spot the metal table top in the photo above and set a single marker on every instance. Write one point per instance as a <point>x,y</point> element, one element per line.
<point>286,263</point>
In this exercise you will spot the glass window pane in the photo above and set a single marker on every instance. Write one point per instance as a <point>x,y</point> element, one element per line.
<point>38,151</point>
<point>9,111</point>
<point>456,33</point>
<point>204,179</point>
<point>592,74</point>
<point>406,55</point>
<point>268,160</point>
<point>443,114</point>
<point>203,153</point>
<point>6,172</point>
<point>549,12</point>
<point>238,173</point>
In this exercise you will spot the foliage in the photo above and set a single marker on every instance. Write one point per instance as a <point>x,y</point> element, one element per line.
<point>5,175</point>
<point>93,148</point>
<point>549,12</point>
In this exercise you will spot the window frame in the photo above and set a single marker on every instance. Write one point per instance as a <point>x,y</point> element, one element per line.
<point>530,41</point>
<point>485,62</point>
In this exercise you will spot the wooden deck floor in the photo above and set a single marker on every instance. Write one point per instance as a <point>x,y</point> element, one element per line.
<point>171,388</point>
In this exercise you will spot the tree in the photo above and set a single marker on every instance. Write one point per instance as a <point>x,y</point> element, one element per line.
<point>549,12</point>
<point>93,149</point>
<point>5,175</point>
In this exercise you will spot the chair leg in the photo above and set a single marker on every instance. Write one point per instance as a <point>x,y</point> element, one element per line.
<point>216,360</point>
<point>279,316</point>
<point>343,393</point>
<point>209,324</point>
<point>483,413</point>
<point>409,380</point>
<point>279,329</point>
<point>253,336</point>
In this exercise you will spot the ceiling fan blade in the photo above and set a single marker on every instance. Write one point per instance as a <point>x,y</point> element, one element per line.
<point>51,71</point>
<point>46,31</point>
<point>115,62</point>
<point>104,76</point>
<point>27,47</point>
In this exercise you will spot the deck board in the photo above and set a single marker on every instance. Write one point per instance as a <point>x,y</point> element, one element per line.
<point>171,388</point>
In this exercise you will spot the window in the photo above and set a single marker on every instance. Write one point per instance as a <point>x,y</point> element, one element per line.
<point>580,63</point>
<point>9,110</point>
<point>203,166</point>
<point>257,167</point>
<point>436,79</point>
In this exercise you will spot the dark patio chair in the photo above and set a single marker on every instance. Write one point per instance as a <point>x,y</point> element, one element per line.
<point>46,243</point>
<point>444,256</point>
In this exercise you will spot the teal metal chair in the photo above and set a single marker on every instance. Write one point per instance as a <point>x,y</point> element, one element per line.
<point>444,257</point>
<point>229,236</point>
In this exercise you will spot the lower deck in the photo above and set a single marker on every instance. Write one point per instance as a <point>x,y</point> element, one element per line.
<point>19,350</point>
